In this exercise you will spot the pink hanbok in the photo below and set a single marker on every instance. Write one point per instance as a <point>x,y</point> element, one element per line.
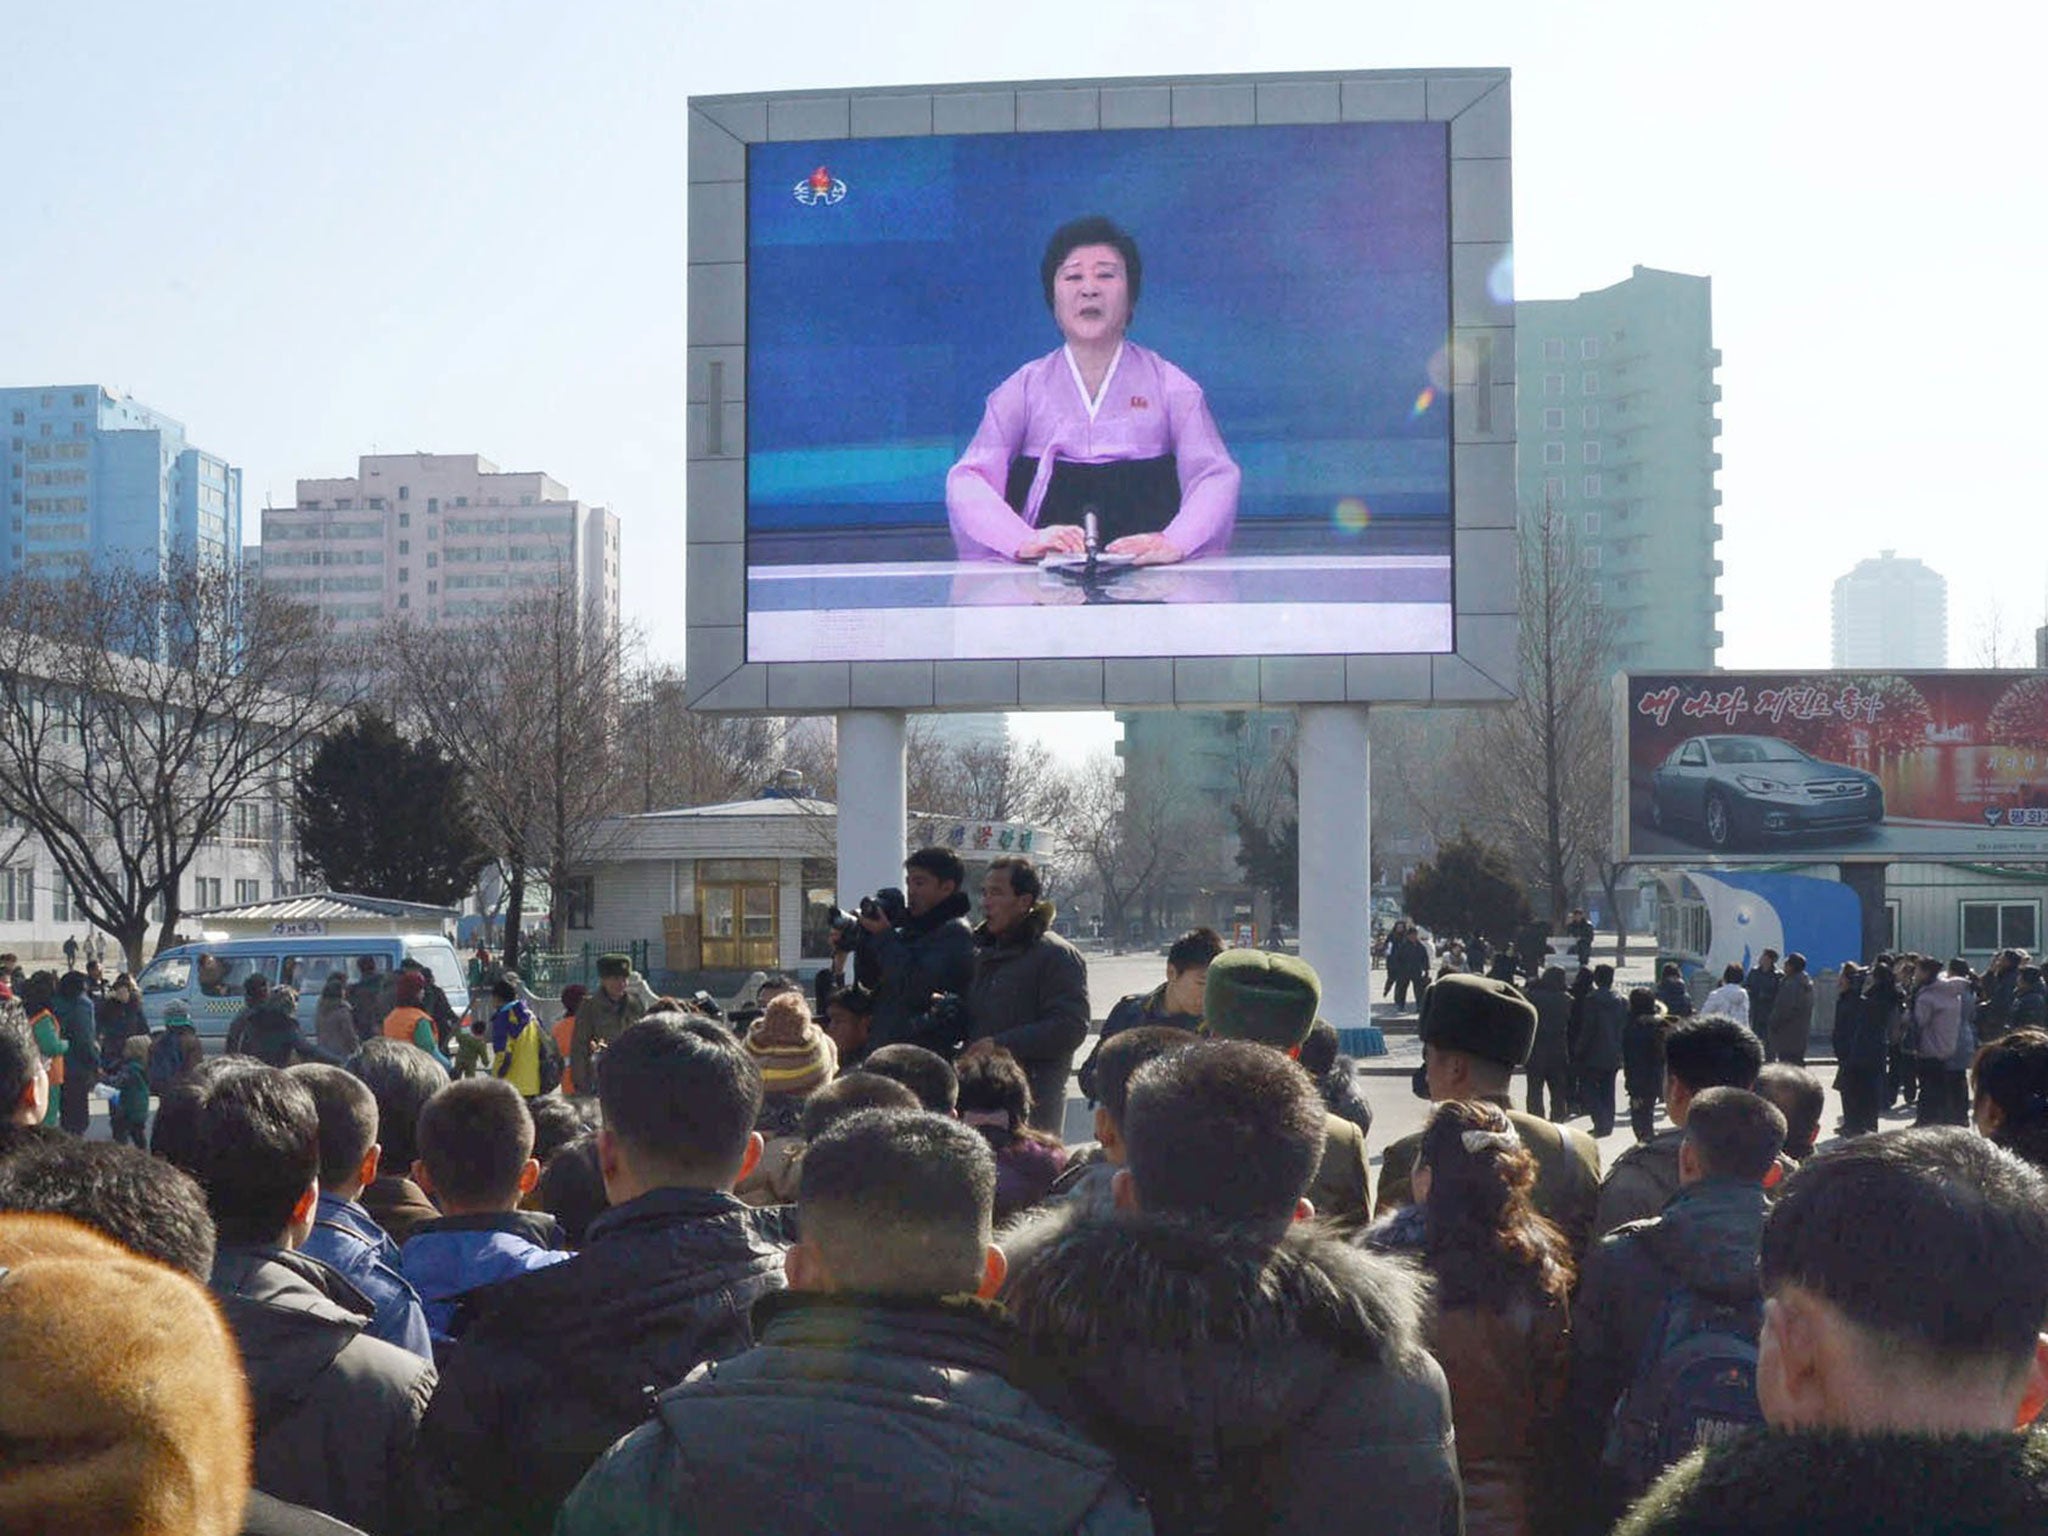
<point>1143,456</point>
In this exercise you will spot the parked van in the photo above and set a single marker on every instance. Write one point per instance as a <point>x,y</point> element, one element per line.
<point>208,978</point>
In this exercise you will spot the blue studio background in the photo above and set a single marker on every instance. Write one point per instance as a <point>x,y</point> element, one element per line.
<point>1300,275</point>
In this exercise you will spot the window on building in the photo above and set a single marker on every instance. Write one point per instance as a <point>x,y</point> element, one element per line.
<point>462,501</point>
<point>376,503</point>
<point>1989,926</point>
<point>1596,593</point>
<point>1590,384</point>
<point>405,599</point>
<point>433,503</point>
<point>405,493</point>
<point>405,573</point>
<point>1553,350</point>
<point>1592,486</point>
<point>1553,453</point>
<point>247,891</point>
<point>405,519</point>
<point>1553,421</point>
<point>18,895</point>
<point>1589,453</point>
<point>1589,418</point>
<point>433,559</point>
<point>62,903</point>
<point>1589,348</point>
<point>1553,383</point>
<point>20,419</point>
<point>405,546</point>
<point>205,893</point>
<point>1592,559</point>
<point>433,587</point>
<point>1592,525</point>
<point>1553,488</point>
<point>579,901</point>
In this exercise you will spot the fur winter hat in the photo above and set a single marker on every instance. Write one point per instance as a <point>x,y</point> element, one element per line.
<point>1252,995</point>
<point>794,1055</point>
<point>124,1412</point>
<point>1482,1017</point>
<point>614,965</point>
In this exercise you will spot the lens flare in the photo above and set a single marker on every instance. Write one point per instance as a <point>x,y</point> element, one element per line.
<point>1500,282</point>
<point>1424,400</point>
<point>1352,515</point>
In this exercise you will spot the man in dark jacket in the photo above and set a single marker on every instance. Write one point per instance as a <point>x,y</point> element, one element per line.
<point>1029,994</point>
<point>336,1412</point>
<point>255,998</point>
<point>1603,1020</point>
<point>1550,1057</point>
<point>1705,1241</point>
<point>369,998</point>
<point>882,1351</point>
<point>1790,1026</point>
<point>1474,1034</point>
<point>1250,1372</point>
<point>1176,1004</point>
<point>1897,1399</point>
<point>80,1028</point>
<point>929,954</point>
<point>1699,1053</point>
<point>551,1367</point>
<point>1762,984</point>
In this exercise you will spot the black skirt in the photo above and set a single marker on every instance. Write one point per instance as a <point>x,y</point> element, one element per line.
<point>1127,496</point>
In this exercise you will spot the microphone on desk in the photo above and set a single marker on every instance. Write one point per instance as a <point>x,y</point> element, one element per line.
<point>1090,536</point>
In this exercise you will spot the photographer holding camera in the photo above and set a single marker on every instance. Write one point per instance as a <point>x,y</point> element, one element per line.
<point>924,954</point>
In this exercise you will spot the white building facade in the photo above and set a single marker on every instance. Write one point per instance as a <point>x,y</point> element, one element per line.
<point>1890,612</point>
<point>439,539</point>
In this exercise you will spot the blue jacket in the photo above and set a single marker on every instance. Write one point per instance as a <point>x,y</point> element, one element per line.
<point>446,1258</point>
<point>346,1238</point>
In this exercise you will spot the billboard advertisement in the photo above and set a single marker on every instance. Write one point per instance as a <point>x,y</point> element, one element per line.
<point>1779,766</point>
<point>1099,394</point>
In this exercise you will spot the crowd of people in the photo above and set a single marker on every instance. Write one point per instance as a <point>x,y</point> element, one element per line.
<point>829,1266</point>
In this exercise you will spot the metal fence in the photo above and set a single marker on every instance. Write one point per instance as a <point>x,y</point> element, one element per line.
<point>549,970</point>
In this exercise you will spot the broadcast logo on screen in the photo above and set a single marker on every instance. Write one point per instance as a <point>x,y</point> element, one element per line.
<point>820,189</point>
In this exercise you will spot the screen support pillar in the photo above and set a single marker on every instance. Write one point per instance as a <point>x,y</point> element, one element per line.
<point>873,824</point>
<point>1336,857</point>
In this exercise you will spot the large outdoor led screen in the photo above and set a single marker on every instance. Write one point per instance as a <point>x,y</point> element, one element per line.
<point>1099,394</point>
<point>1776,766</point>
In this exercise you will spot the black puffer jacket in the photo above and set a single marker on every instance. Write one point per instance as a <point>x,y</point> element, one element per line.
<point>1244,1387</point>
<point>336,1412</point>
<point>1030,996</point>
<point>920,959</point>
<point>856,1414</point>
<point>556,1365</point>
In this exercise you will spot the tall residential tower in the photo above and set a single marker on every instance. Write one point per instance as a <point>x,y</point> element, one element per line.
<point>1616,427</point>
<point>439,538</point>
<point>96,479</point>
<point>1890,612</point>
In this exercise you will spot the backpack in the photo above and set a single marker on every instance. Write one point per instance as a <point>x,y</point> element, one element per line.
<point>550,1059</point>
<point>1694,1385</point>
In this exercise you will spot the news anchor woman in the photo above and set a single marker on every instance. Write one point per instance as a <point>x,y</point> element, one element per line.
<point>1101,426</point>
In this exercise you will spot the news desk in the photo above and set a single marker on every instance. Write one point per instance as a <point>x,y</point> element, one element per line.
<point>1231,605</point>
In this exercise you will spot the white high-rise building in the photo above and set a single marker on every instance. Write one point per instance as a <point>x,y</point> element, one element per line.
<point>439,538</point>
<point>1890,612</point>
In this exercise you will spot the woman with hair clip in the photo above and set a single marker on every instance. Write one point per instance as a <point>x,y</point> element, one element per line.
<point>1503,1277</point>
<point>2010,1094</point>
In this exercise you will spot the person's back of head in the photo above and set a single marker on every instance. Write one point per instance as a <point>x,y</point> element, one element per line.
<point>366,966</point>
<point>1224,1131</point>
<point>1940,1333</point>
<point>124,1411</point>
<point>251,1137</point>
<point>849,1095</point>
<point>348,1126</point>
<point>476,1147</point>
<point>1711,1051</point>
<point>1958,966</point>
<point>1731,974</point>
<point>571,1189</point>
<point>1643,1004</point>
<point>1552,979</point>
<point>1319,1051</point>
<point>1795,963</point>
<point>1485,1242</point>
<point>679,1099</point>
<point>1603,976</point>
<point>925,1073</point>
<point>1730,1134</point>
<point>897,1203</point>
<point>21,1068</point>
<point>2010,1093</point>
<point>141,1202</point>
<point>995,1094</point>
<point>401,1078</point>
<point>1801,1099</point>
<point>557,1121</point>
<point>71,984</point>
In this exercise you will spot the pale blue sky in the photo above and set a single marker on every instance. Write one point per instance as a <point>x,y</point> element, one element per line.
<point>310,231</point>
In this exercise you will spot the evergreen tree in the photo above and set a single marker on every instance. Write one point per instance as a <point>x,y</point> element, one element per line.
<point>382,816</point>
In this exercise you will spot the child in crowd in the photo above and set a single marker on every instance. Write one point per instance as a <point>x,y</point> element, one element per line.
<point>995,1099</point>
<point>795,1057</point>
<point>130,1111</point>
<point>472,1049</point>
<point>1090,1177</point>
<point>476,1160</point>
